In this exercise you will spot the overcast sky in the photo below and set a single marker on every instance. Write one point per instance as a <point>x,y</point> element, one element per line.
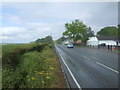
<point>23,22</point>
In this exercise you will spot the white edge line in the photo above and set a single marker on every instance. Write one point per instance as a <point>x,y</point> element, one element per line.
<point>63,69</point>
<point>70,71</point>
<point>107,67</point>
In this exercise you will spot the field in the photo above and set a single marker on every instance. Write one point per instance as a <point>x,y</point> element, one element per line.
<point>31,66</point>
<point>0,66</point>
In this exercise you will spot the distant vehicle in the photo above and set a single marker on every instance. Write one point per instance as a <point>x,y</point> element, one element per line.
<point>69,45</point>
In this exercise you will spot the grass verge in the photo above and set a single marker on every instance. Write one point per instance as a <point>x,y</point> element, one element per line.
<point>0,78</point>
<point>36,68</point>
<point>117,51</point>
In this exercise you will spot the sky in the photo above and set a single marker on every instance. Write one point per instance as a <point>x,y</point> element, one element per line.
<point>23,22</point>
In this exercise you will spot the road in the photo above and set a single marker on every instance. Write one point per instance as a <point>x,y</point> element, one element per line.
<point>89,68</point>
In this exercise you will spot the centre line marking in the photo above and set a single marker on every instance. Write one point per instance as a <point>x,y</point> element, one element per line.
<point>94,58</point>
<point>107,67</point>
<point>69,71</point>
<point>86,57</point>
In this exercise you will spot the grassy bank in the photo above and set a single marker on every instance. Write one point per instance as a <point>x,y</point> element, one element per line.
<point>0,78</point>
<point>0,66</point>
<point>31,66</point>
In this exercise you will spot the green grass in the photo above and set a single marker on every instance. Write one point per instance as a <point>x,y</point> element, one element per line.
<point>0,66</point>
<point>0,78</point>
<point>117,51</point>
<point>31,66</point>
<point>11,47</point>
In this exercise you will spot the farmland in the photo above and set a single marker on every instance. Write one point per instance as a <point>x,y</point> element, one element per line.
<point>0,66</point>
<point>31,66</point>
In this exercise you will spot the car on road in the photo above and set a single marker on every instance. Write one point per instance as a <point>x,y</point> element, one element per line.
<point>69,45</point>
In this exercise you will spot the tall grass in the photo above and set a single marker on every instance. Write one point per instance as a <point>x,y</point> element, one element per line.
<point>29,66</point>
<point>0,66</point>
<point>12,54</point>
<point>0,78</point>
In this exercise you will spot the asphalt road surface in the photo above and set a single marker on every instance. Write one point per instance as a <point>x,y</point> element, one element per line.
<point>89,68</point>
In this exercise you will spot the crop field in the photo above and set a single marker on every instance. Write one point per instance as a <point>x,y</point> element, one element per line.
<point>31,66</point>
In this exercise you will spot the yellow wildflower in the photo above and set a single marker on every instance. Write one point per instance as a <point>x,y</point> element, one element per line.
<point>51,68</point>
<point>35,71</point>
<point>47,73</point>
<point>33,78</point>
<point>40,72</point>
<point>50,73</point>
<point>48,77</point>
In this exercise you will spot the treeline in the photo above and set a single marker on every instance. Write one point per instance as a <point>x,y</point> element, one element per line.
<point>47,39</point>
<point>77,30</point>
<point>109,31</point>
<point>60,40</point>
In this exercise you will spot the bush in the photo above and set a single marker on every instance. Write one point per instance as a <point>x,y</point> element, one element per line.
<point>12,58</point>
<point>30,67</point>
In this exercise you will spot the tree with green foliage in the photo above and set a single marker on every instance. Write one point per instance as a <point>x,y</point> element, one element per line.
<point>60,40</point>
<point>77,30</point>
<point>87,33</point>
<point>47,39</point>
<point>108,31</point>
<point>118,29</point>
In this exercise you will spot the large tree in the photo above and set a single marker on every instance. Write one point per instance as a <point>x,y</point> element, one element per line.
<point>108,31</point>
<point>77,30</point>
<point>87,33</point>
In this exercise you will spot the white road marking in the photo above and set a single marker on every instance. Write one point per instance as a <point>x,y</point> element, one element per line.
<point>107,67</point>
<point>70,71</point>
<point>102,64</point>
<point>86,57</point>
<point>93,57</point>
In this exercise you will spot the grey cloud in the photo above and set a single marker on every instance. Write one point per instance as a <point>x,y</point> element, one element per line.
<point>106,15</point>
<point>53,16</point>
<point>119,12</point>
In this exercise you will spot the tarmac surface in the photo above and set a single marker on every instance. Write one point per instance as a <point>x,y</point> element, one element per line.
<point>89,68</point>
